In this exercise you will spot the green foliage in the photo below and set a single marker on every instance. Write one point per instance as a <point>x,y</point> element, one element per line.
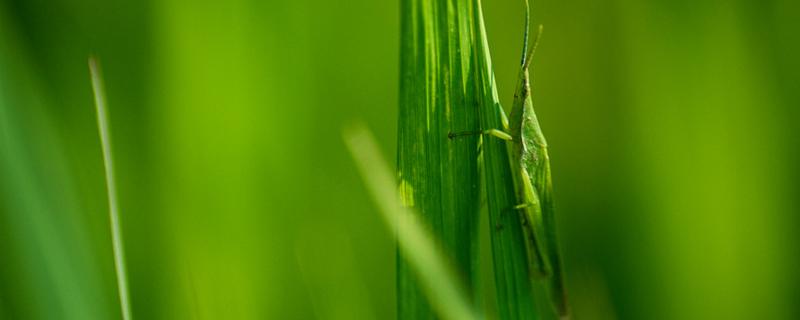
<point>442,288</point>
<point>447,85</point>
<point>48,269</point>
<point>438,178</point>
<point>672,128</point>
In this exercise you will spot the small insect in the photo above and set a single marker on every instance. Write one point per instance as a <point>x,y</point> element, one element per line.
<point>530,167</point>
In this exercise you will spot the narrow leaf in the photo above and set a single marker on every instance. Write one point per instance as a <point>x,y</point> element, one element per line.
<point>113,209</point>
<point>438,177</point>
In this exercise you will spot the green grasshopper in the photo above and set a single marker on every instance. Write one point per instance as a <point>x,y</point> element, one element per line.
<point>530,167</point>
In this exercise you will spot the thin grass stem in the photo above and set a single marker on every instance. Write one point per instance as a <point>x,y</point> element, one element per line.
<point>113,208</point>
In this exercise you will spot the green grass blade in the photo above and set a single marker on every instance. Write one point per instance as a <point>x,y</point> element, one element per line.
<point>113,208</point>
<point>439,177</point>
<point>439,281</point>
<point>514,290</point>
<point>447,85</point>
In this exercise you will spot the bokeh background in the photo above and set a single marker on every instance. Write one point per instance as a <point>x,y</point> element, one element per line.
<point>673,128</point>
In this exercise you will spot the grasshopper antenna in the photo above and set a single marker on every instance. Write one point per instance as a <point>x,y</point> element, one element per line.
<point>527,30</point>
<point>529,57</point>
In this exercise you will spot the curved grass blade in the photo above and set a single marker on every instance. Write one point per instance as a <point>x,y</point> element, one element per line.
<point>113,209</point>
<point>437,278</point>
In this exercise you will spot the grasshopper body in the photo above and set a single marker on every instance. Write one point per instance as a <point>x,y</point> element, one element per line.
<point>530,165</point>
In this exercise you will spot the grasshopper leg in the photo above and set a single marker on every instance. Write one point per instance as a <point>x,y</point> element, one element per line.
<point>538,262</point>
<point>492,132</point>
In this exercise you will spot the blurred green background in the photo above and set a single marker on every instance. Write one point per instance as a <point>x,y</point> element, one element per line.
<point>673,128</point>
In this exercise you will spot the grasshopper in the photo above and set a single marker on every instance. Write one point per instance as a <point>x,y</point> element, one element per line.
<point>530,167</point>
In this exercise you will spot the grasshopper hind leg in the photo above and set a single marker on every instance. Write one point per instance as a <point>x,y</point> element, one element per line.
<point>538,264</point>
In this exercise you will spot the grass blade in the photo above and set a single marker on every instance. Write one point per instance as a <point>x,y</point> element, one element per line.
<point>514,291</point>
<point>439,177</point>
<point>447,85</point>
<point>113,209</point>
<point>414,241</point>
